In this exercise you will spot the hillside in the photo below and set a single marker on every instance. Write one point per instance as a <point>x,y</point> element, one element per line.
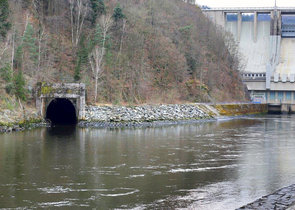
<point>127,51</point>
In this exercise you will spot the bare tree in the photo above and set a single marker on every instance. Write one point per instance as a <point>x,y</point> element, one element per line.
<point>121,39</point>
<point>78,11</point>
<point>41,37</point>
<point>97,54</point>
<point>13,47</point>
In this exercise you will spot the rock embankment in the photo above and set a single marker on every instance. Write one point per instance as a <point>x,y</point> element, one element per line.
<point>143,116</point>
<point>154,115</point>
<point>281,199</point>
<point>146,113</point>
<point>134,116</point>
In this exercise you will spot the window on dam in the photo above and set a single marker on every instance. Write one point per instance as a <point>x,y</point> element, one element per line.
<point>288,26</point>
<point>61,111</point>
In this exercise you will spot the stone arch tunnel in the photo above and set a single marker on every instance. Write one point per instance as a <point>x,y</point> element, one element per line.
<point>61,111</point>
<point>61,103</point>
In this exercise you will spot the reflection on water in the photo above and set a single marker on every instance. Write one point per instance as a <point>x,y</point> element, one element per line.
<point>215,165</point>
<point>62,131</point>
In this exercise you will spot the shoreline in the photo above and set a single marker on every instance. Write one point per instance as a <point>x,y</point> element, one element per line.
<point>148,116</point>
<point>122,125</point>
<point>283,198</point>
<point>133,124</point>
<point>22,127</point>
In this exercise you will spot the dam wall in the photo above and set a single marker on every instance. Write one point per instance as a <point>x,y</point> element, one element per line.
<point>255,55</point>
<point>266,42</point>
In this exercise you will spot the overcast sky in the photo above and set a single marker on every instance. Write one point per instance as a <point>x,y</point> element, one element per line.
<point>246,3</point>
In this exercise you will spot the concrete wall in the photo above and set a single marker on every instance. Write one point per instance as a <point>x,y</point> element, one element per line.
<point>255,85</point>
<point>259,41</point>
<point>286,63</point>
<point>241,109</point>
<point>255,55</point>
<point>263,51</point>
<point>280,86</point>
<point>217,17</point>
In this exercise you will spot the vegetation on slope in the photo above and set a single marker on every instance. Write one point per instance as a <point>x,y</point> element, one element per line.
<point>127,51</point>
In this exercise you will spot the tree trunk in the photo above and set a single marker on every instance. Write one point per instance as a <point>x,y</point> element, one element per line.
<point>12,52</point>
<point>95,91</point>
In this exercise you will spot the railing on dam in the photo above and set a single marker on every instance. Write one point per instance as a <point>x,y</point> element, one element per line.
<point>254,76</point>
<point>251,9</point>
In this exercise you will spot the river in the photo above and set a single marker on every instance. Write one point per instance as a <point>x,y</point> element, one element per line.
<point>208,165</point>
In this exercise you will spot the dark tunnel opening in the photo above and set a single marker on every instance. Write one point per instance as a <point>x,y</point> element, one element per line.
<point>61,111</point>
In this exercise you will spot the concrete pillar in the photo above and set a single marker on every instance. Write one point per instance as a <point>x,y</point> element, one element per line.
<point>39,105</point>
<point>268,76</point>
<point>279,23</point>
<point>42,108</point>
<point>272,25</point>
<point>255,26</point>
<point>82,108</point>
<point>224,19</point>
<point>286,109</point>
<point>274,22</point>
<point>82,103</point>
<point>239,25</point>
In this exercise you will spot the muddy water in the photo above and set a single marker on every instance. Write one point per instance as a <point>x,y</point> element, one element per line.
<point>213,165</point>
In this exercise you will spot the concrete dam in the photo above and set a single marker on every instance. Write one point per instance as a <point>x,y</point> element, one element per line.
<point>266,40</point>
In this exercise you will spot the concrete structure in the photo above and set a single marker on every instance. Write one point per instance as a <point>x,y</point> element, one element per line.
<point>190,1</point>
<point>266,39</point>
<point>71,94</point>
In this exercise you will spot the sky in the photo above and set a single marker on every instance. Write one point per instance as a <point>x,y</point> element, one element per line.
<point>246,3</point>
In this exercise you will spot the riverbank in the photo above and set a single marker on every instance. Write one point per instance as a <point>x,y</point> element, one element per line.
<point>281,199</point>
<point>159,115</point>
<point>134,116</point>
<point>20,119</point>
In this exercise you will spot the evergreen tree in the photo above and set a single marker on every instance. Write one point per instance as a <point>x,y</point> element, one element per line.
<point>98,8</point>
<point>97,38</point>
<point>83,51</point>
<point>29,43</point>
<point>18,58</point>
<point>6,74</point>
<point>118,13</point>
<point>26,3</point>
<point>5,25</point>
<point>77,75</point>
<point>19,85</point>
<point>82,58</point>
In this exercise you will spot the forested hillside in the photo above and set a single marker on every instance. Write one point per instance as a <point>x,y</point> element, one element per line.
<point>125,51</point>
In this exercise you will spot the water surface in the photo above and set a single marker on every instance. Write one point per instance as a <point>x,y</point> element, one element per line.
<point>212,165</point>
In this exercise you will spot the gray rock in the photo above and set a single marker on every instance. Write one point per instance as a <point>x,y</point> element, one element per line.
<point>146,113</point>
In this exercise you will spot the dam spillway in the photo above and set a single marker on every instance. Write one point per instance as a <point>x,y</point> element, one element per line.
<point>266,41</point>
<point>254,53</point>
<point>286,65</point>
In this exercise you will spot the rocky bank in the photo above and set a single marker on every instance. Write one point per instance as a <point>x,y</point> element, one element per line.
<point>133,116</point>
<point>154,115</point>
<point>19,119</point>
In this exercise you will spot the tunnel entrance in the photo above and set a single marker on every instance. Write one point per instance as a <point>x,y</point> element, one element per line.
<point>61,111</point>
